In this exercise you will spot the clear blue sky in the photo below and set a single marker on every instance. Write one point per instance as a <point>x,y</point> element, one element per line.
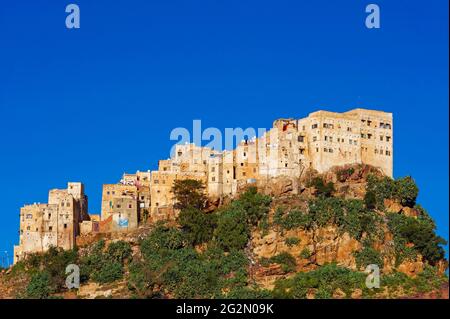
<point>89,104</point>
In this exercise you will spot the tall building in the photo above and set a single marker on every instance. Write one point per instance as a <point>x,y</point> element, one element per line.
<point>54,224</point>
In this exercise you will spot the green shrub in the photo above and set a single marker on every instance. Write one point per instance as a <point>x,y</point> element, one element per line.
<point>368,256</point>
<point>420,232</point>
<point>232,232</point>
<point>39,286</point>
<point>189,193</point>
<point>324,281</point>
<point>198,226</point>
<point>305,253</point>
<point>119,251</point>
<point>403,190</point>
<point>255,205</point>
<point>293,219</point>
<point>109,271</point>
<point>322,189</point>
<point>292,241</point>
<point>286,260</point>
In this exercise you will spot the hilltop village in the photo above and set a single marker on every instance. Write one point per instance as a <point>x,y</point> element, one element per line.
<point>320,141</point>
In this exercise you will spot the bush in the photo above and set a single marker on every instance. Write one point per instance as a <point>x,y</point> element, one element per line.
<point>292,241</point>
<point>39,286</point>
<point>322,189</point>
<point>420,232</point>
<point>232,232</point>
<point>199,226</point>
<point>305,253</point>
<point>255,205</point>
<point>403,190</point>
<point>368,256</point>
<point>109,271</point>
<point>293,219</point>
<point>119,251</point>
<point>286,260</point>
<point>189,193</point>
<point>324,281</point>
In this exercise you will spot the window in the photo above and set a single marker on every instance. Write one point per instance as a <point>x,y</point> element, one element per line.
<point>388,126</point>
<point>118,206</point>
<point>142,197</point>
<point>113,192</point>
<point>388,153</point>
<point>350,141</point>
<point>243,174</point>
<point>317,149</point>
<point>330,150</point>
<point>68,204</point>
<point>213,179</point>
<point>213,169</point>
<point>107,193</point>
<point>242,164</point>
<point>302,151</point>
<point>342,140</point>
<point>245,154</point>
<point>29,216</point>
<point>326,138</point>
<point>50,228</point>
<point>376,151</point>
<point>388,138</point>
<point>62,204</point>
<point>314,126</point>
<point>301,139</point>
<point>369,136</point>
<point>325,149</point>
<point>65,226</point>
<point>314,138</point>
<point>49,216</point>
<point>381,137</point>
<point>381,125</point>
<point>363,135</point>
<point>254,170</point>
<point>349,129</point>
<point>331,138</point>
<point>130,206</point>
<point>369,122</point>
<point>180,153</point>
<point>285,165</point>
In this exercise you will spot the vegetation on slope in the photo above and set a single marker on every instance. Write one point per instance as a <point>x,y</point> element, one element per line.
<point>208,255</point>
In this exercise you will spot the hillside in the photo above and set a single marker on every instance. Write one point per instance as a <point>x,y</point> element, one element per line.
<point>305,238</point>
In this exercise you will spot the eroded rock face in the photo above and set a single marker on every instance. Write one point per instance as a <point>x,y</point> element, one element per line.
<point>278,186</point>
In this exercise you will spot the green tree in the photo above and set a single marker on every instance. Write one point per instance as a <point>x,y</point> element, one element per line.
<point>199,226</point>
<point>232,231</point>
<point>189,193</point>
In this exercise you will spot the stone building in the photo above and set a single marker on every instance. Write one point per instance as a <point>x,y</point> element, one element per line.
<point>54,224</point>
<point>320,141</point>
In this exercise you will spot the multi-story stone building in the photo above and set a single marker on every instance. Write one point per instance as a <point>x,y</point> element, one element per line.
<point>320,141</point>
<point>54,224</point>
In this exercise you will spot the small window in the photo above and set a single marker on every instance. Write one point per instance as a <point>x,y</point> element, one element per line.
<point>65,226</point>
<point>130,206</point>
<point>330,150</point>
<point>118,206</point>
<point>213,179</point>
<point>317,150</point>
<point>244,173</point>
<point>242,164</point>
<point>349,129</point>
<point>388,153</point>
<point>314,126</point>
<point>314,138</point>
<point>381,137</point>
<point>50,228</point>
<point>388,138</point>
<point>285,165</point>
<point>156,181</point>
<point>325,149</point>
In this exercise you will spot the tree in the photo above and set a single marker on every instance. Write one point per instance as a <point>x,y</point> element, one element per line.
<point>322,189</point>
<point>189,193</point>
<point>232,231</point>
<point>199,226</point>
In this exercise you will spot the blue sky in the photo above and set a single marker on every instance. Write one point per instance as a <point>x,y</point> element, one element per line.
<point>89,104</point>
